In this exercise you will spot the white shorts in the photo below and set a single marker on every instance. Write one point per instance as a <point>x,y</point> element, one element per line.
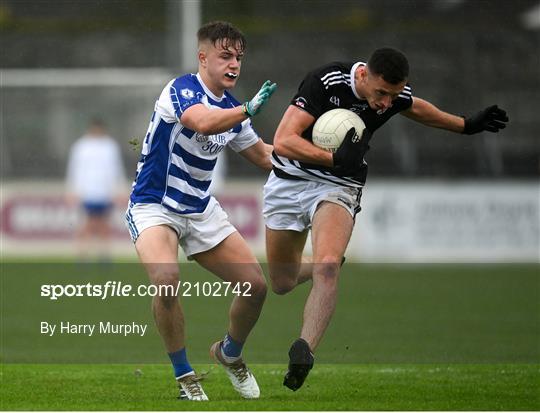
<point>196,232</point>
<point>291,204</point>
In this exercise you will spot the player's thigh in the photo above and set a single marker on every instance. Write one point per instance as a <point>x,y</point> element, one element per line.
<point>232,260</point>
<point>157,248</point>
<point>284,250</point>
<point>331,231</point>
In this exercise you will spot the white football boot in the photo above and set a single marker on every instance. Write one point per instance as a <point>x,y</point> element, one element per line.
<point>190,388</point>
<point>240,376</point>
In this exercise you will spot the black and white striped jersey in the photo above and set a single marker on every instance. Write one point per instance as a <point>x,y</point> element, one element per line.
<point>330,87</point>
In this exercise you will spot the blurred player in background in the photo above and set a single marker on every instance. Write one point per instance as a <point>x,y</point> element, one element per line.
<point>95,181</point>
<point>194,119</point>
<point>313,189</point>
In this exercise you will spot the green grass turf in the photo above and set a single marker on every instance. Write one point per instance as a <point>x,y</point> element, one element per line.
<point>404,337</point>
<point>329,387</point>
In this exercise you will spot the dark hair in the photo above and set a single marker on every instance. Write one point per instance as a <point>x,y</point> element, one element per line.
<point>97,122</point>
<point>389,63</point>
<point>223,33</point>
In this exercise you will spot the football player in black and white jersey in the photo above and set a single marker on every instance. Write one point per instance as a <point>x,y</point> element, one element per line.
<point>313,189</point>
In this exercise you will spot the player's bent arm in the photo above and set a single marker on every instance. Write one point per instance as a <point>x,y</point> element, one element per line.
<point>259,154</point>
<point>288,141</point>
<point>210,121</point>
<point>428,114</point>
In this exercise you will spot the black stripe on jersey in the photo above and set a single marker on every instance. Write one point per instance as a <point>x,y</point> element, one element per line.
<point>351,180</point>
<point>324,177</point>
<point>324,170</point>
<point>284,175</point>
<point>326,174</point>
<point>277,158</point>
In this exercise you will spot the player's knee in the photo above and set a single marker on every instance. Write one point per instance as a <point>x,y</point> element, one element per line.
<point>258,288</point>
<point>166,281</point>
<point>281,287</point>
<point>327,268</point>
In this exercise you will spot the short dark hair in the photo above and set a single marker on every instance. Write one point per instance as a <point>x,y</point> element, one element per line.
<point>97,122</point>
<point>389,63</point>
<point>223,33</point>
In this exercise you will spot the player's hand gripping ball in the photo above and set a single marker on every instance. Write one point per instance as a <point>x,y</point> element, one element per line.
<point>332,126</point>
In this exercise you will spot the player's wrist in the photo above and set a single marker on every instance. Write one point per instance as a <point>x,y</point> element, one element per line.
<point>245,109</point>
<point>468,126</point>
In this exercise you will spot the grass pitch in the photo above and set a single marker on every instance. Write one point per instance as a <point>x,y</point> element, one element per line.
<point>338,387</point>
<point>407,337</point>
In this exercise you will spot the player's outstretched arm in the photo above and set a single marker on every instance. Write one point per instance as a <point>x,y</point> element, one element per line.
<point>210,121</point>
<point>259,154</point>
<point>491,119</point>
<point>428,114</point>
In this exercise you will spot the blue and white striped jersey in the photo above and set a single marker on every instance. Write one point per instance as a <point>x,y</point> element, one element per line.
<point>176,164</point>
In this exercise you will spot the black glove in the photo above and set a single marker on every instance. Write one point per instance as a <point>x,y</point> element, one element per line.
<point>491,119</point>
<point>350,155</point>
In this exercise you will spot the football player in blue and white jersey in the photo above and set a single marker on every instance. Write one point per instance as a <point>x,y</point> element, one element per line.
<point>194,119</point>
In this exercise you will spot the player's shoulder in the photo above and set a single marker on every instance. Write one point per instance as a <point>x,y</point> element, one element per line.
<point>405,96</point>
<point>332,69</point>
<point>186,84</point>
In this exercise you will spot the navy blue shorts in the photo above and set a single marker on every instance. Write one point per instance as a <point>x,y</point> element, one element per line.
<point>97,209</point>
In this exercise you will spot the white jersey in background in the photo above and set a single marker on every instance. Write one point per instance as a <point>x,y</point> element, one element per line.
<point>176,163</point>
<point>95,171</point>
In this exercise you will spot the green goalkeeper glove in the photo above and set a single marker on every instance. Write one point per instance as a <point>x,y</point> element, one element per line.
<point>255,105</point>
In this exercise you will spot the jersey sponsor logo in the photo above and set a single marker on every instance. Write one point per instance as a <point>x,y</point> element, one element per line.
<point>300,102</point>
<point>359,107</point>
<point>199,137</point>
<point>334,100</point>
<point>220,139</point>
<point>187,93</point>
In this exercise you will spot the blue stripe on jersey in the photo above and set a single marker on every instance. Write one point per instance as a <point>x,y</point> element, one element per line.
<point>183,175</point>
<point>188,132</point>
<point>192,160</point>
<point>151,181</point>
<point>186,199</point>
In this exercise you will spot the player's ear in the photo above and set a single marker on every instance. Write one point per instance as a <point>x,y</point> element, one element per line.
<point>364,74</point>
<point>202,58</point>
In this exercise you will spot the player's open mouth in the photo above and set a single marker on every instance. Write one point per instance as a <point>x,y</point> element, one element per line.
<point>231,75</point>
